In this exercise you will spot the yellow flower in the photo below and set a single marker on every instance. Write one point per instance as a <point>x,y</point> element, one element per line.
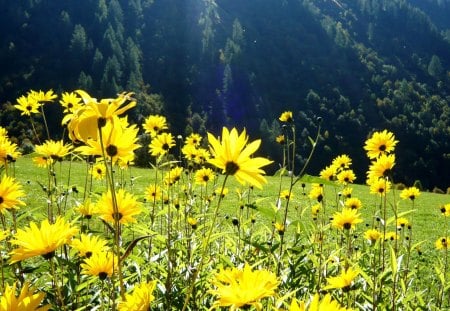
<point>173,176</point>
<point>193,222</point>
<point>10,194</point>
<point>154,125</point>
<point>98,171</point>
<point>381,167</point>
<point>286,117</point>
<point>316,192</point>
<point>87,245</point>
<point>280,139</point>
<point>346,219</point>
<point>161,144</point>
<point>93,115</point>
<point>40,96</point>
<point>204,175</point>
<point>343,281</point>
<point>442,243</point>
<point>127,207</point>
<point>43,241</point>
<point>391,236</point>
<point>353,203</point>
<point>238,288</point>
<point>27,105</point>
<point>402,223</point>
<point>221,191</point>
<point>100,264</point>
<point>342,162</point>
<point>118,142</point>
<point>315,209</point>
<point>379,186</point>
<point>286,194</point>
<point>328,173</point>
<point>140,299</point>
<point>233,156</point>
<point>28,299</point>
<point>42,161</point>
<point>326,304</point>
<point>8,150</point>
<point>53,150</point>
<point>380,143</point>
<point>445,210</point>
<point>411,193</point>
<point>71,102</point>
<point>279,227</point>
<point>193,140</point>
<point>87,209</point>
<point>347,192</point>
<point>372,235</point>
<point>153,193</point>
<point>346,176</point>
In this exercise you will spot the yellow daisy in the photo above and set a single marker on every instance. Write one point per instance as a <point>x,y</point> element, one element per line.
<point>203,176</point>
<point>140,299</point>
<point>98,171</point>
<point>411,193</point>
<point>87,245</point>
<point>341,162</point>
<point>153,193</point>
<point>381,167</point>
<point>242,288</point>
<point>343,281</point>
<point>372,235</point>
<point>27,105</point>
<point>353,203</point>
<point>328,173</point>
<point>346,176</point>
<point>442,243</point>
<point>10,193</point>
<point>379,186</point>
<point>346,219</point>
<point>53,150</point>
<point>28,299</point>
<point>380,143</point>
<point>43,241</point>
<point>154,125</point>
<point>161,144</point>
<point>232,155</point>
<point>71,102</point>
<point>286,116</point>
<point>193,140</point>
<point>87,209</point>
<point>173,176</point>
<point>127,207</point>
<point>326,304</point>
<point>100,264</point>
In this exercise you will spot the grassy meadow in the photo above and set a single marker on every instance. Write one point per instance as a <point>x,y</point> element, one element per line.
<point>204,229</point>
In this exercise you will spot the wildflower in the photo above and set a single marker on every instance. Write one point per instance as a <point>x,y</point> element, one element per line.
<point>346,219</point>
<point>202,155</point>
<point>190,152</point>
<point>391,236</point>
<point>286,117</point>
<point>232,155</point>
<point>28,299</point>
<point>43,241</point>
<point>221,191</point>
<point>193,140</point>
<point>442,243</point>
<point>315,209</point>
<point>402,222</point>
<point>53,150</point>
<point>381,167</point>
<point>316,192</point>
<point>346,176</point>
<point>280,139</point>
<point>372,235</point>
<point>328,173</point>
<point>380,143</point>
<point>379,186</point>
<point>342,162</point>
<point>203,176</point>
<point>40,96</point>
<point>286,194</point>
<point>98,171</point>
<point>94,115</point>
<point>27,105</point>
<point>87,245</point>
<point>140,299</point>
<point>343,281</point>
<point>71,102</point>
<point>347,192</point>
<point>42,161</point>
<point>87,209</point>
<point>10,193</point>
<point>353,203</point>
<point>8,150</point>
<point>100,264</point>
<point>326,304</point>
<point>241,288</point>
<point>126,207</point>
<point>153,193</point>
<point>445,210</point>
<point>173,176</point>
<point>154,125</point>
<point>280,228</point>
<point>161,144</point>
<point>118,142</point>
<point>193,222</point>
<point>411,193</point>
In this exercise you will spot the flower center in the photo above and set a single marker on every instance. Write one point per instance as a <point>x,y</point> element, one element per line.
<point>102,275</point>
<point>205,178</point>
<point>101,122</point>
<point>382,148</point>
<point>347,226</point>
<point>231,168</point>
<point>117,216</point>
<point>1,200</point>
<point>165,146</point>
<point>49,256</point>
<point>111,150</point>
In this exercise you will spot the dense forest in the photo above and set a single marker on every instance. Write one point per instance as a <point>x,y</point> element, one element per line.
<point>360,65</point>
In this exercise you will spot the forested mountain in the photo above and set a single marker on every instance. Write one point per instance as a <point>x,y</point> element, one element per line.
<point>360,65</point>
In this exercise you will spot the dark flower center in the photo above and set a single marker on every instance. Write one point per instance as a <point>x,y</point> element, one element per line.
<point>205,178</point>
<point>111,150</point>
<point>101,122</point>
<point>1,200</point>
<point>102,275</point>
<point>443,210</point>
<point>347,226</point>
<point>319,198</point>
<point>382,148</point>
<point>88,254</point>
<point>231,168</point>
<point>69,105</point>
<point>117,216</point>
<point>49,256</point>
<point>165,146</point>
<point>99,171</point>
<point>29,108</point>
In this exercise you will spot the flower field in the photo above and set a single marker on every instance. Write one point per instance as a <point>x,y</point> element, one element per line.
<point>203,227</point>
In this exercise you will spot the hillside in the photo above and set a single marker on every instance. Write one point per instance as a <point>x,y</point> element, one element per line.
<point>360,65</point>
